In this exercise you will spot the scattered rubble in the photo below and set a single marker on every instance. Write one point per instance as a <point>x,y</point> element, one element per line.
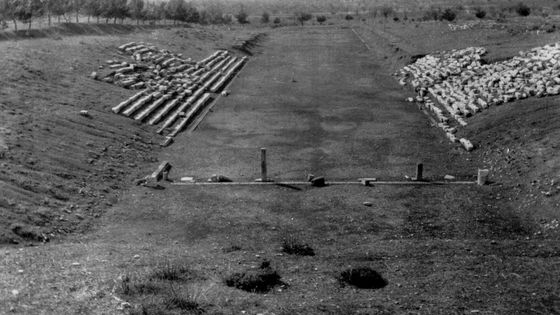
<point>174,89</point>
<point>463,85</point>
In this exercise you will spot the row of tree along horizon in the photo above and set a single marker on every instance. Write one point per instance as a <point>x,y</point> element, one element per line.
<point>142,11</point>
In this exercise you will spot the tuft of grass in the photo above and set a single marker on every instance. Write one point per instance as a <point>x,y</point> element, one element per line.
<point>130,287</point>
<point>232,248</point>
<point>28,232</point>
<point>293,246</point>
<point>363,278</point>
<point>150,309</point>
<point>171,272</point>
<point>261,280</point>
<point>182,303</point>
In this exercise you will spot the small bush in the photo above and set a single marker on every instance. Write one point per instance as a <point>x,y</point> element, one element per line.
<point>386,11</point>
<point>261,280</point>
<point>363,278</point>
<point>265,18</point>
<point>150,309</point>
<point>293,246</point>
<point>277,21</point>
<point>242,17</point>
<point>28,232</point>
<point>302,17</point>
<point>396,18</point>
<point>185,304</point>
<point>522,9</point>
<point>321,19</point>
<point>171,273</point>
<point>500,17</point>
<point>232,248</point>
<point>348,17</point>
<point>448,15</point>
<point>479,13</point>
<point>129,287</point>
<point>432,14</point>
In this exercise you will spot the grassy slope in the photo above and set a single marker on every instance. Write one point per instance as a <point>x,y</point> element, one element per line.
<point>60,169</point>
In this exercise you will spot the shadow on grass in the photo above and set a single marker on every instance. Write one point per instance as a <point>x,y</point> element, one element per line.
<point>363,278</point>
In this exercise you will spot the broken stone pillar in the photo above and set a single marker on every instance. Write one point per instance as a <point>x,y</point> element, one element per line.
<point>419,171</point>
<point>264,177</point>
<point>482,177</point>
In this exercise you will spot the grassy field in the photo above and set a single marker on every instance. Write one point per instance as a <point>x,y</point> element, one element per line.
<point>322,103</point>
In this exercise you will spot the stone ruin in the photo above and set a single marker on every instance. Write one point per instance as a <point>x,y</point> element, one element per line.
<point>453,85</point>
<point>174,89</point>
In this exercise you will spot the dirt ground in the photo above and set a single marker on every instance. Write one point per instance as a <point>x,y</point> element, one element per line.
<point>322,103</point>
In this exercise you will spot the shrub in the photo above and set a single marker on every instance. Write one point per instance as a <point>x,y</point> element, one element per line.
<point>242,17</point>
<point>149,309</point>
<point>129,287</point>
<point>396,18</point>
<point>265,18</point>
<point>386,11</point>
<point>432,14</point>
<point>522,9</point>
<point>28,232</point>
<point>448,15</point>
<point>362,277</point>
<point>348,17</point>
<point>261,280</point>
<point>293,246</point>
<point>479,13</point>
<point>171,272</point>
<point>181,303</point>
<point>302,17</point>
<point>500,17</point>
<point>277,21</point>
<point>321,19</point>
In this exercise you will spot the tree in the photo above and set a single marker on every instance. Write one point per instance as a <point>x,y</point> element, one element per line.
<point>136,9</point>
<point>479,12</point>
<point>522,9</point>
<point>321,19</point>
<point>114,9</point>
<point>150,12</point>
<point>93,8</point>
<point>432,13</point>
<point>213,14</point>
<point>76,6</point>
<point>175,10</point>
<point>6,12</point>
<point>265,18</point>
<point>242,16</point>
<point>57,7</point>
<point>302,17</point>
<point>24,10</point>
<point>180,10</point>
<point>449,14</point>
<point>386,11</point>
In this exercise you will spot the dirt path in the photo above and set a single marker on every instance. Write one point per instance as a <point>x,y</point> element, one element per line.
<point>321,104</point>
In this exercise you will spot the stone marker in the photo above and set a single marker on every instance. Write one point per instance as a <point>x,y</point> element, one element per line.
<point>187,179</point>
<point>219,179</point>
<point>318,181</point>
<point>158,173</point>
<point>419,171</point>
<point>482,177</point>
